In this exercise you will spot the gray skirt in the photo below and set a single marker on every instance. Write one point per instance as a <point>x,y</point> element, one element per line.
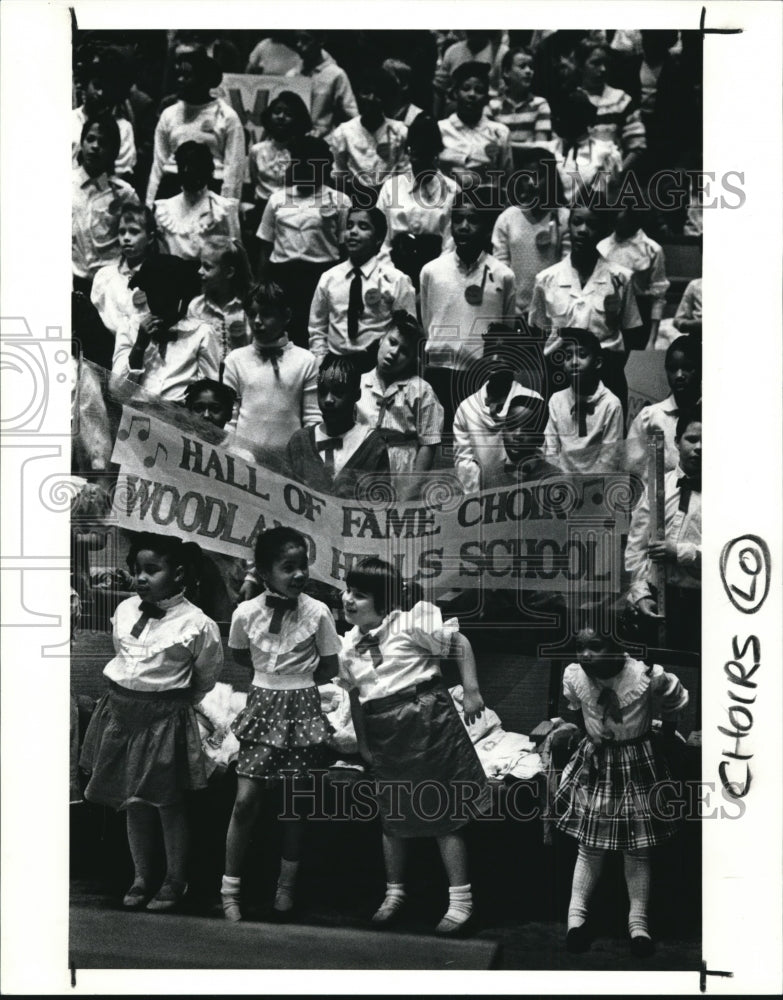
<point>429,780</point>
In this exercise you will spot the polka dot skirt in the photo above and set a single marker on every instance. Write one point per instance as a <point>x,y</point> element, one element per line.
<point>281,731</point>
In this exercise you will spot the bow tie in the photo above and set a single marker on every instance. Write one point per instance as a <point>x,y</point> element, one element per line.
<point>279,606</point>
<point>148,610</point>
<point>686,486</point>
<point>271,354</point>
<point>371,644</point>
<point>329,446</point>
<point>582,410</point>
<point>611,705</point>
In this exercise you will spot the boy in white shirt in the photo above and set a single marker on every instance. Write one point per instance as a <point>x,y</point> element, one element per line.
<point>585,425</point>
<point>354,301</point>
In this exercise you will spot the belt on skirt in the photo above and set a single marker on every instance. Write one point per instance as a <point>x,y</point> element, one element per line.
<point>634,741</point>
<point>377,705</point>
<point>170,694</point>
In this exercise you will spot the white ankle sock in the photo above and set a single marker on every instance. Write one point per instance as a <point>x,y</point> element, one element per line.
<point>460,907</point>
<point>230,892</point>
<point>637,877</point>
<point>392,902</point>
<point>586,874</point>
<point>286,883</point>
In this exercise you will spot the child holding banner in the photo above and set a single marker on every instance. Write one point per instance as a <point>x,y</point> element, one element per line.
<point>335,456</point>
<point>275,381</point>
<point>402,407</point>
<point>406,721</point>
<point>613,792</point>
<point>143,747</point>
<point>282,635</point>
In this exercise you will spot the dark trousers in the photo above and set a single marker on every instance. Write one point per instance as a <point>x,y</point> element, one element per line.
<point>298,280</point>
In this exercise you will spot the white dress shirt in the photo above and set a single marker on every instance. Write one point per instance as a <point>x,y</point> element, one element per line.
<point>305,225</point>
<point>642,694</point>
<point>411,644</point>
<point>384,290</point>
<point>180,650</point>
<point>596,452</point>
<point>286,660</point>
<point>560,300</point>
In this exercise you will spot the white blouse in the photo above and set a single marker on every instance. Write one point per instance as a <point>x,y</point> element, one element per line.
<point>287,660</point>
<point>641,696</point>
<point>183,225</point>
<point>180,650</point>
<point>411,644</point>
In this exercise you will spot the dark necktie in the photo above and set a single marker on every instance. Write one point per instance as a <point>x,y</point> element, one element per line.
<point>611,705</point>
<point>271,354</point>
<point>279,606</point>
<point>688,485</point>
<point>355,304</point>
<point>582,410</point>
<point>371,644</point>
<point>148,610</point>
<point>329,446</point>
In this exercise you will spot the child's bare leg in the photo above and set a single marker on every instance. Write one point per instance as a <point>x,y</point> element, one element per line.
<point>455,857</point>
<point>395,853</point>
<point>587,871</point>
<point>637,877</point>
<point>240,827</point>
<point>243,816</point>
<point>141,823</point>
<point>455,861</point>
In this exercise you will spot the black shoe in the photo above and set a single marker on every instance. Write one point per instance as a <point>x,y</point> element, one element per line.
<point>577,940</point>
<point>642,946</point>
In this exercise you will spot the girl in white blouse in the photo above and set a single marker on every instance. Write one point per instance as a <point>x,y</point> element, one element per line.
<point>143,746</point>
<point>283,636</point>
<point>613,792</point>
<point>408,726</point>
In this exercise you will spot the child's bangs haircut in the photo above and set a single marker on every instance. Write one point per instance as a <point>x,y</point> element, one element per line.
<point>271,544</point>
<point>377,81</point>
<point>302,122</point>
<point>177,553</point>
<point>232,254</point>
<point>110,131</point>
<point>338,369</point>
<point>377,221</point>
<point>224,394</point>
<point>606,621</point>
<point>142,216</point>
<point>409,328</point>
<point>585,339</point>
<point>380,580</point>
<point>424,134</point>
<point>267,295</point>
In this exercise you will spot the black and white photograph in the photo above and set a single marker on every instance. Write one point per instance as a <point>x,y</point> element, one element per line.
<point>380,635</point>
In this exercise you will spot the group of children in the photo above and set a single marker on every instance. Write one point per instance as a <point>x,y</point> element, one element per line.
<point>142,748</point>
<point>395,298</point>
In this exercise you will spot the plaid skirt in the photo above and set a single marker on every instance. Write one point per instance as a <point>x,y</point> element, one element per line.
<point>612,796</point>
<point>281,734</point>
<point>428,778</point>
<point>142,746</point>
